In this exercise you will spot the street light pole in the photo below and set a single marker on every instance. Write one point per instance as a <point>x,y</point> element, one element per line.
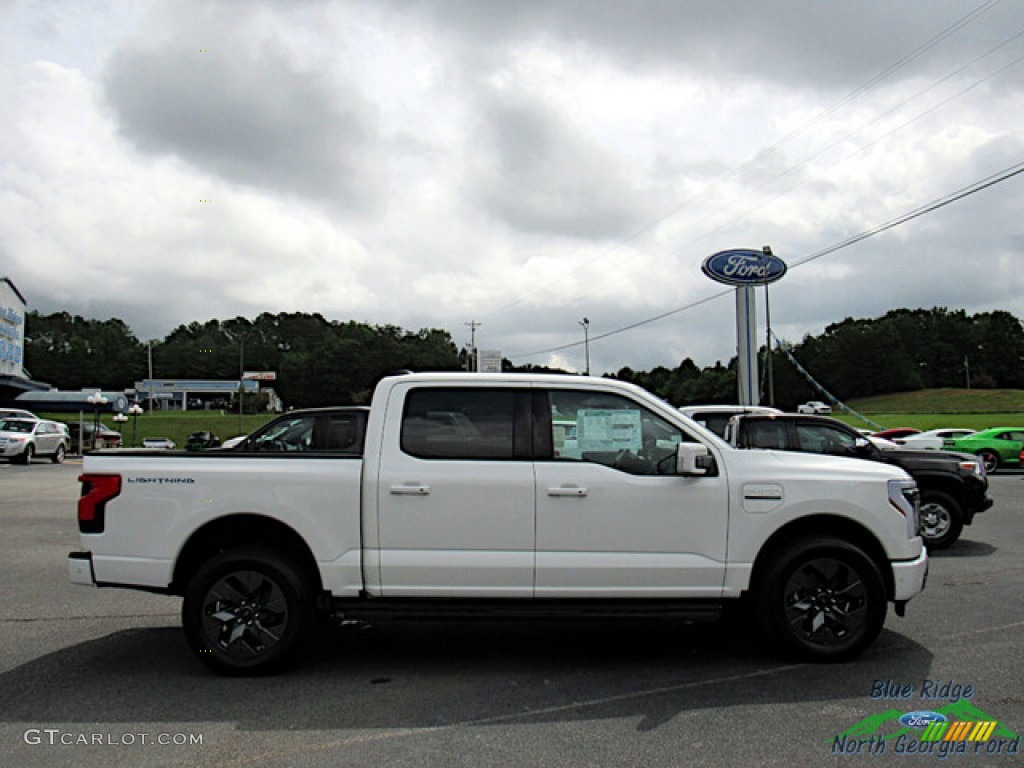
<point>767,251</point>
<point>135,409</point>
<point>586,343</point>
<point>241,385</point>
<point>97,401</point>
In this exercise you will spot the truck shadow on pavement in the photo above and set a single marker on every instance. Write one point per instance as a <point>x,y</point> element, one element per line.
<point>965,548</point>
<point>444,675</point>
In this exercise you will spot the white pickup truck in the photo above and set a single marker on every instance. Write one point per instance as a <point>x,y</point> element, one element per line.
<point>494,495</point>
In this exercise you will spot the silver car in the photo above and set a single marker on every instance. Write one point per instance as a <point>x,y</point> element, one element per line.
<point>23,439</point>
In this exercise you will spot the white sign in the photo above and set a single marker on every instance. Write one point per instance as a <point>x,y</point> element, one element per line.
<point>488,360</point>
<point>259,376</point>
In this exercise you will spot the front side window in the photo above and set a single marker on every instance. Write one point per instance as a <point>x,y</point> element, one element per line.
<point>285,436</point>
<point>461,423</point>
<point>612,430</point>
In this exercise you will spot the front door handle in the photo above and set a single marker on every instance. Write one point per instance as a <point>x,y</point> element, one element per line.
<point>410,489</point>
<point>568,490</point>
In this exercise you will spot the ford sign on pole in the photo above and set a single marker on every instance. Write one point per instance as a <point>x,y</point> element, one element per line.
<point>745,269</point>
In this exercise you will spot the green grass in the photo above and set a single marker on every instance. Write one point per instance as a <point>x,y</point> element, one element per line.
<point>934,408</point>
<point>966,401</point>
<point>176,424</point>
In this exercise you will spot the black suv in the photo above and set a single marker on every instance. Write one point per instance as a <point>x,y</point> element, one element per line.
<point>953,486</point>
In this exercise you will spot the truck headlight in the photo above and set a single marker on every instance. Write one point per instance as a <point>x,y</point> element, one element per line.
<point>906,499</point>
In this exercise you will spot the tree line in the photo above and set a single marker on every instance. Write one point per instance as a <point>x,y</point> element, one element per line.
<point>321,362</point>
<point>317,361</point>
<point>902,351</point>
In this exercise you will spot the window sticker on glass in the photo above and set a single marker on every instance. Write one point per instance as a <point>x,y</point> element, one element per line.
<point>608,430</point>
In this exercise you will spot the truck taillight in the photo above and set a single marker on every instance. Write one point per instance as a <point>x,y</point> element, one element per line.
<point>97,490</point>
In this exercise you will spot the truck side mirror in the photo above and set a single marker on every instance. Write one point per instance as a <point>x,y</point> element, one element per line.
<point>863,447</point>
<point>693,459</point>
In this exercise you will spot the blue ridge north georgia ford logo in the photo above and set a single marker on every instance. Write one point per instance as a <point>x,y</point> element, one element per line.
<point>744,267</point>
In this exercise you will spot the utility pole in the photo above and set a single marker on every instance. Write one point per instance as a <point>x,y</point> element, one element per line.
<point>586,343</point>
<point>149,348</point>
<point>473,325</point>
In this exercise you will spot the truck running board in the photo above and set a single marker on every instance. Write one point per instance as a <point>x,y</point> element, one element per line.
<point>461,609</point>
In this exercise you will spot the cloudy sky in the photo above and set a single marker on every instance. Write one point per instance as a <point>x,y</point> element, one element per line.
<point>521,164</point>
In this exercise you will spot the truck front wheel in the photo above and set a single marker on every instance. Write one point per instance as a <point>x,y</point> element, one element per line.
<point>247,611</point>
<point>941,519</point>
<point>821,600</point>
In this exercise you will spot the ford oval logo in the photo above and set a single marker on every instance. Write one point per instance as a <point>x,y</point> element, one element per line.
<point>922,719</point>
<point>744,267</point>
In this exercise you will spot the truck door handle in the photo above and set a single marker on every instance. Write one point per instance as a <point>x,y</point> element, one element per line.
<point>410,489</point>
<point>567,490</point>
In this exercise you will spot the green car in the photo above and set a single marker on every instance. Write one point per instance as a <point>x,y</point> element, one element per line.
<point>997,447</point>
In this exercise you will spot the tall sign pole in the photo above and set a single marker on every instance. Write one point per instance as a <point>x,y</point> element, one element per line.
<point>745,269</point>
<point>746,345</point>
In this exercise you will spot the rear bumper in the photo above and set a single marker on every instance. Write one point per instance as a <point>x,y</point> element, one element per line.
<point>80,569</point>
<point>909,577</point>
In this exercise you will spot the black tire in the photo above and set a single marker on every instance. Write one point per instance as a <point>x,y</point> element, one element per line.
<point>58,455</point>
<point>942,520</point>
<point>820,599</point>
<point>248,611</point>
<point>26,456</point>
<point>991,461</point>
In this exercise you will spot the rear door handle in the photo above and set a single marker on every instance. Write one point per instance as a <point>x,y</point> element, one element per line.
<point>568,490</point>
<point>410,489</point>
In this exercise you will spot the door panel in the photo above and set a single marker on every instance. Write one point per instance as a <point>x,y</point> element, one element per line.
<point>456,498</point>
<point>611,521</point>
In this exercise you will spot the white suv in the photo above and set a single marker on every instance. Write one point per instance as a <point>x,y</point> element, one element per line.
<point>21,439</point>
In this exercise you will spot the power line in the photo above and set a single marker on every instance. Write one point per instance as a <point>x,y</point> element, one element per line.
<point>863,88</point>
<point>978,186</point>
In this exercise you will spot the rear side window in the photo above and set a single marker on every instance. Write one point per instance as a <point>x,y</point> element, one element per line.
<point>820,438</point>
<point>343,432</point>
<point>465,423</point>
<point>763,434</point>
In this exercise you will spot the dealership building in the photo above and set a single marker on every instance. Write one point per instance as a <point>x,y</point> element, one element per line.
<point>195,394</point>
<point>14,380</point>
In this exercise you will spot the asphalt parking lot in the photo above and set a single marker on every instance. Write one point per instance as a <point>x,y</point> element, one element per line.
<point>103,677</point>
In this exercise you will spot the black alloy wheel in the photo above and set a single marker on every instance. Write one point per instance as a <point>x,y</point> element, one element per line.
<point>821,600</point>
<point>247,611</point>
<point>991,461</point>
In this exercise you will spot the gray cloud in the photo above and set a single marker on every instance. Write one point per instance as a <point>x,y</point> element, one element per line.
<point>829,45</point>
<point>252,119</point>
<point>546,176</point>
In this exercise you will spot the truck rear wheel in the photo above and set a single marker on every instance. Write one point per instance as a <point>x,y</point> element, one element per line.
<point>941,519</point>
<point>821,600</point>
<point>247,611</point>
